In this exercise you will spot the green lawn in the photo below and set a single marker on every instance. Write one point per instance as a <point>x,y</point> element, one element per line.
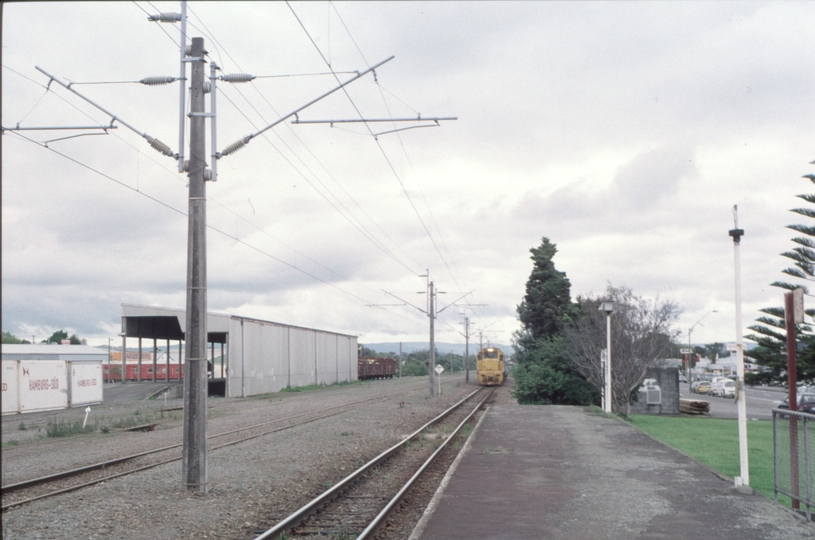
<point>715,442</point>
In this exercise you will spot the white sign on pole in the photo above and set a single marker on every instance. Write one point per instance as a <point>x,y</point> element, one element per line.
<point>439,369</point>
<point>798,305</point>
<point>685,351</point>
<point>733,347</point>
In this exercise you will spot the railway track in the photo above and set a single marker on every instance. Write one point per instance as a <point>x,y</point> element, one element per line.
<point>360,505</point>
<point>55,484</point>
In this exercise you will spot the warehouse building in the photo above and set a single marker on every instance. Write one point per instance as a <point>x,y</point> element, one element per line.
<point>253,356</point>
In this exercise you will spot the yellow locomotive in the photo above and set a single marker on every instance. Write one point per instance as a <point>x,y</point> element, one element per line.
<point>491,366</point>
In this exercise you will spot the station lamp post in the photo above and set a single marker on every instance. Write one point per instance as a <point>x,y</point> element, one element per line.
<point>608,307</point>
<point>690,347</point>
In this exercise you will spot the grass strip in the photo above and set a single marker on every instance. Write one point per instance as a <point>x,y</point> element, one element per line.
<point>715,442</point>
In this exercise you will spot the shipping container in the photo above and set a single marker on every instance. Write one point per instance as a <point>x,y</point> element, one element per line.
<point>86,383</point>
<point>11,403</point>
<point>49,377</point>
<point>42,385</point>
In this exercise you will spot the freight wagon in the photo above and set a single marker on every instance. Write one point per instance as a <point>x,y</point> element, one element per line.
<point>376,368</point>
<point>113,372</point>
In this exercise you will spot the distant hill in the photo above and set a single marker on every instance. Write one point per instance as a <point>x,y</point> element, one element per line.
<point>441,348</point>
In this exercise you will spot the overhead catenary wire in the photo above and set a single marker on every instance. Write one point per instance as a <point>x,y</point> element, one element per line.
<point>346,215</point>
<point>382,150</point>
<point>158,22</point>
<point>155,143</point>
<point>175,177</point>
<point>209,226</point>
<point>182,180</point>
<point>410,163</point>
<point>239,144</point>
<point>401,143</point>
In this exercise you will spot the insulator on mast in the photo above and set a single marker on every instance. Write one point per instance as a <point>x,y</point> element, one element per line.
<point>234,147</point>
<point>158,80</point>
<point>237,77</point>
<point>158,145</point>
<point>165,17</point>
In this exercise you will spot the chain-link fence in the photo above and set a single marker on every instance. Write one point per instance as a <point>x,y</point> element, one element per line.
<point>794,458</point>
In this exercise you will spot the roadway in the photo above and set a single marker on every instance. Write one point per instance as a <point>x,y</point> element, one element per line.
<point>760,402</point>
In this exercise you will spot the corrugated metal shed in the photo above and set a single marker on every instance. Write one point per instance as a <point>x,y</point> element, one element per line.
<point>74,353</point>
<point>260,356</point>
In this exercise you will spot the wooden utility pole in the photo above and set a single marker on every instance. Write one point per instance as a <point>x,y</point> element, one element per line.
<point>195,367</point>
<point>790,319</point>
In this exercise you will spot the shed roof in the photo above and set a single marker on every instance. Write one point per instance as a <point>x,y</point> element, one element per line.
<point>52,352</point>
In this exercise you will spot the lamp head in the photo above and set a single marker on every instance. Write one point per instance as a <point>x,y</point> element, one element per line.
<point>607,306</point>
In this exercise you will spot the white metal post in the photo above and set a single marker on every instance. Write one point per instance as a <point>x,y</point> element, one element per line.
<point>741,400</point>
<point>466,350</point>
<point>432,359</point>
<point>603,372</point>
<point>608,363</point>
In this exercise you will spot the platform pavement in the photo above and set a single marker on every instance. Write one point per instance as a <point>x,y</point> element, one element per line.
<point>556,472</point>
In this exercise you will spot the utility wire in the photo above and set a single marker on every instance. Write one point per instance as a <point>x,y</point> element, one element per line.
<point>401,143</point>
<point>347,214</point>
<point>382,150</point>
<point>365,233</point>
<point>157,22</point>
<point>209,226</point>
<point>172,174</point>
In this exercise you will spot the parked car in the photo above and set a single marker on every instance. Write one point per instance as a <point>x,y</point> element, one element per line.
<point>806,403</point>
<point>714,387</point>
<point>723,387</point>
<point>682,378</point>
<point>726,389</point>
<point>700,387</point>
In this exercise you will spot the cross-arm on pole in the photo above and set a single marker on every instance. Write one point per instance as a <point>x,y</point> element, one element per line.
<point>155,143</point>
<point>237,145</point>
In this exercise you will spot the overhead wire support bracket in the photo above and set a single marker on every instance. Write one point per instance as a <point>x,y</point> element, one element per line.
<point>453,303</point>
<point>155,143</point>
<point>405,301</point>
<point>419,118</point>
<point>50,128</point>
<point>240,143</point>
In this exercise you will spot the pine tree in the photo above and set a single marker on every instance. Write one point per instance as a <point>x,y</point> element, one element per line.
<point>770,333</point>
<point>547,306</point>
<point>543,374</point>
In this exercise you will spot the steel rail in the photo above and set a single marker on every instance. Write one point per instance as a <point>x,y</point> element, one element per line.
<point>379,521</point>
<point>313,505</point>
<point>45,422</point>
<point>104,464</point>
<point>153,465</point>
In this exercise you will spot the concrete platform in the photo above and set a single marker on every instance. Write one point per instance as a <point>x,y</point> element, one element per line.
<point>541,472</point>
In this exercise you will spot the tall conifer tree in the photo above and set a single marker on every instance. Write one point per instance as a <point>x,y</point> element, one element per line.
<point>544,374</point>
<point>770,333</point>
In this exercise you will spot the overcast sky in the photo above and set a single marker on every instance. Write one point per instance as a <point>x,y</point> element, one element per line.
<point>623,132</point>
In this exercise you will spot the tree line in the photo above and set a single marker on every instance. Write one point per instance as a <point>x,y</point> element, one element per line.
<point>56,337</point>
<point>558,348</point>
